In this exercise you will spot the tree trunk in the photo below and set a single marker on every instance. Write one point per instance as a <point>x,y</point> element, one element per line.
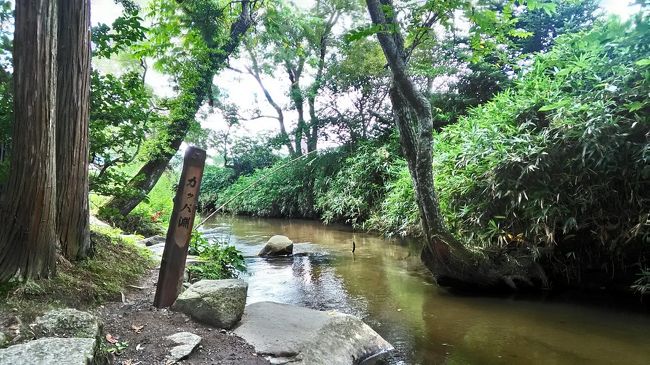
<point>28,237</point>
<point>183,112</point>
<point>73,103</point>
<point>448,259</point>
<point>255,72</point>
<point>312,137</point>
<point>295,94</point>
<point>149,174</point>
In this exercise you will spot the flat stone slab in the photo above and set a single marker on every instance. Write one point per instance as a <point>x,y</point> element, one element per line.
<point>67,322</point>
<point>50,350</point>
<point>290,334</point>
<point>185,342</point>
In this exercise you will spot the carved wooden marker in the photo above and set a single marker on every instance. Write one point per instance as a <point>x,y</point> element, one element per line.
<point>172,267</point>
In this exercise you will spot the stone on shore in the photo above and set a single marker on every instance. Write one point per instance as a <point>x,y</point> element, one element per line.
<point>67,322</point>
<point>277,246</point>
<point>51,350</point>
<point>290,334</point>
<point>185,342</point>
<point>98,222</point>
<point>218,303</point>
<point>154,240</point>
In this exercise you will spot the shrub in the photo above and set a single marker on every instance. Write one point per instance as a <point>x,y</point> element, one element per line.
<point>286,189</point>
<point>357,188</point>
<point>215,180</point>
<point>398,213</point>
<point>218,260</point>
<point>560,159</point>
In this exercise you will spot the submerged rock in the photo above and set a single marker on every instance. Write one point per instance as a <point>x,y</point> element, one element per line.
<point>290,334</point>
<point>185,342</point>
<point>67,322</point>
<point>219,303</point>
<point>51,350</point>
<point>277,246</point>
<point>3,339</point>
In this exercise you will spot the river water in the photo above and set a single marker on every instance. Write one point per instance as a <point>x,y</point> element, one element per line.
<point>385,284</point>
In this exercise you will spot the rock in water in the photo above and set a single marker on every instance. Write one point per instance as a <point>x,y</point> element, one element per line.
<point>50,350</point>
<point>67,323</point>
<point>186,343</point>
<point>290,334</point>
<point>277,246</point>
<point>219,303</point>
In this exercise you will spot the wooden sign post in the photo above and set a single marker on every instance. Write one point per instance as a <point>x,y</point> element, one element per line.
<point>172,267</point>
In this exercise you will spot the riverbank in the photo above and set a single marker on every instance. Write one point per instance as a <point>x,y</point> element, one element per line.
<point>115,286</point>
<point>136,322</point>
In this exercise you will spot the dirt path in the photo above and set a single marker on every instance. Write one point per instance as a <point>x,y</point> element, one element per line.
<point>145,327</point>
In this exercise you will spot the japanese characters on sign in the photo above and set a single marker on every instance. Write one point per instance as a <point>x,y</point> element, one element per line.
<point>187,206</point>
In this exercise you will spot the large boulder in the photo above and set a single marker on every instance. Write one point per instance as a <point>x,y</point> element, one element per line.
<point>67,323</point>
<point>290,334</point>
<point>277,246</point>
<point>51,350</point>
<point>219,303</point>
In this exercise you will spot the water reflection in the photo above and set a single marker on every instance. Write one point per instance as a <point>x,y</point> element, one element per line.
<point>385,284</point>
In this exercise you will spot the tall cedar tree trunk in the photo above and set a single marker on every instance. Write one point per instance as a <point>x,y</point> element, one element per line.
<point>447,258</point>
<point>73,104</point>
<point>28,211</point>
<point>183,113</point>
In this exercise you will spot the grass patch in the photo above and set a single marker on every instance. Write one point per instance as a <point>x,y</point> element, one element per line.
<point>116,263</point>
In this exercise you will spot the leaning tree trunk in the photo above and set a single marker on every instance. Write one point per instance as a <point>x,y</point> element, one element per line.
<point>448,259</point>
<point>73,103</point>
<point>28,212</point>
<point>183,113</point>
<point>149,174</point>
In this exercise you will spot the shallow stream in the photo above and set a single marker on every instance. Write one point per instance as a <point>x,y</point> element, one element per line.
<point>385,284</point>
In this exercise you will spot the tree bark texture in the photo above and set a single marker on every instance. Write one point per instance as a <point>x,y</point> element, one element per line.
<point>28,211</point>
<point>183,113</point>
<point>73,104</point>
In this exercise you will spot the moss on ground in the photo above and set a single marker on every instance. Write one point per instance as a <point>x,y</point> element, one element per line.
<point>116,262</point>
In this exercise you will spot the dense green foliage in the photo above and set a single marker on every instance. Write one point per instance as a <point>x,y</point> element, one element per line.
<point>558,163</point>
<point>120,118</point>
<point>561,160</point>
<point>540,112</point>
<point>337,185</point>
<point>151,216</point>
